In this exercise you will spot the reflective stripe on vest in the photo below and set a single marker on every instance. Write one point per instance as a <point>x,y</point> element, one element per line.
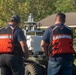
<point>62,36</point>
<point>6,40</point>
<point>61,40</point>
<point>6,36</point>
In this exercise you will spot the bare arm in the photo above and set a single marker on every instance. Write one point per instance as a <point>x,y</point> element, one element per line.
<point>44,47</point>
<point>24,48</point>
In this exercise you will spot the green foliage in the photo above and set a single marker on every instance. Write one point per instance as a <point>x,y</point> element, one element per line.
<point>64,6</point>
<point>74,32</point>
<point>10,7</point>
<point>40,9</point>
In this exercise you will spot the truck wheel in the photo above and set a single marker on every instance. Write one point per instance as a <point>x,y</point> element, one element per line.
<point>33,69</point>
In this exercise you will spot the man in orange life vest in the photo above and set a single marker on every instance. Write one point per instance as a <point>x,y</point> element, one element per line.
<point>13,48</point>
<point>58,39</point>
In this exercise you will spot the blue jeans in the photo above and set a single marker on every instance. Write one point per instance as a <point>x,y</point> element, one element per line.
<point>59,67</point>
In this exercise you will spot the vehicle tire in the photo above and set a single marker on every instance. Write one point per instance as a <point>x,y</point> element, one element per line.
<point>33,69</point>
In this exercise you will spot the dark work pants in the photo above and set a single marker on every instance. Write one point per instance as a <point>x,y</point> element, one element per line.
<point>11,64</point>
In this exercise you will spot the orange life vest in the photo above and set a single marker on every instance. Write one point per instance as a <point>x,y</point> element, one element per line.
<point>61,40</point>
<point>6,40</point>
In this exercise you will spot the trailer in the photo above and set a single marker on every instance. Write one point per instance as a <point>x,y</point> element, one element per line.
<point>37,62</point>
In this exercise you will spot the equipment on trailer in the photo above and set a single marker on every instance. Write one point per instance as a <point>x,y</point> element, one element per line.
<point>37,61</point>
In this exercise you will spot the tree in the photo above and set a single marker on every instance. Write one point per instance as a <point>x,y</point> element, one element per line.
<point>64,6</point>
<point>74,4</point>
<point>40,8</point>
<point>10,7</point>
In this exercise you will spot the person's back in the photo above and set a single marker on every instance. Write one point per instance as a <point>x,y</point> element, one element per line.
<point>13,48</point>
<point>59,37</point>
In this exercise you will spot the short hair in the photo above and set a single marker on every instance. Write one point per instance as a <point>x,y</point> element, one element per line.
<point>62,17</point>
<point>15,18</point>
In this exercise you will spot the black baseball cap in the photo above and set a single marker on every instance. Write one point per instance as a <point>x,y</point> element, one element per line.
<point>15,18</point>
